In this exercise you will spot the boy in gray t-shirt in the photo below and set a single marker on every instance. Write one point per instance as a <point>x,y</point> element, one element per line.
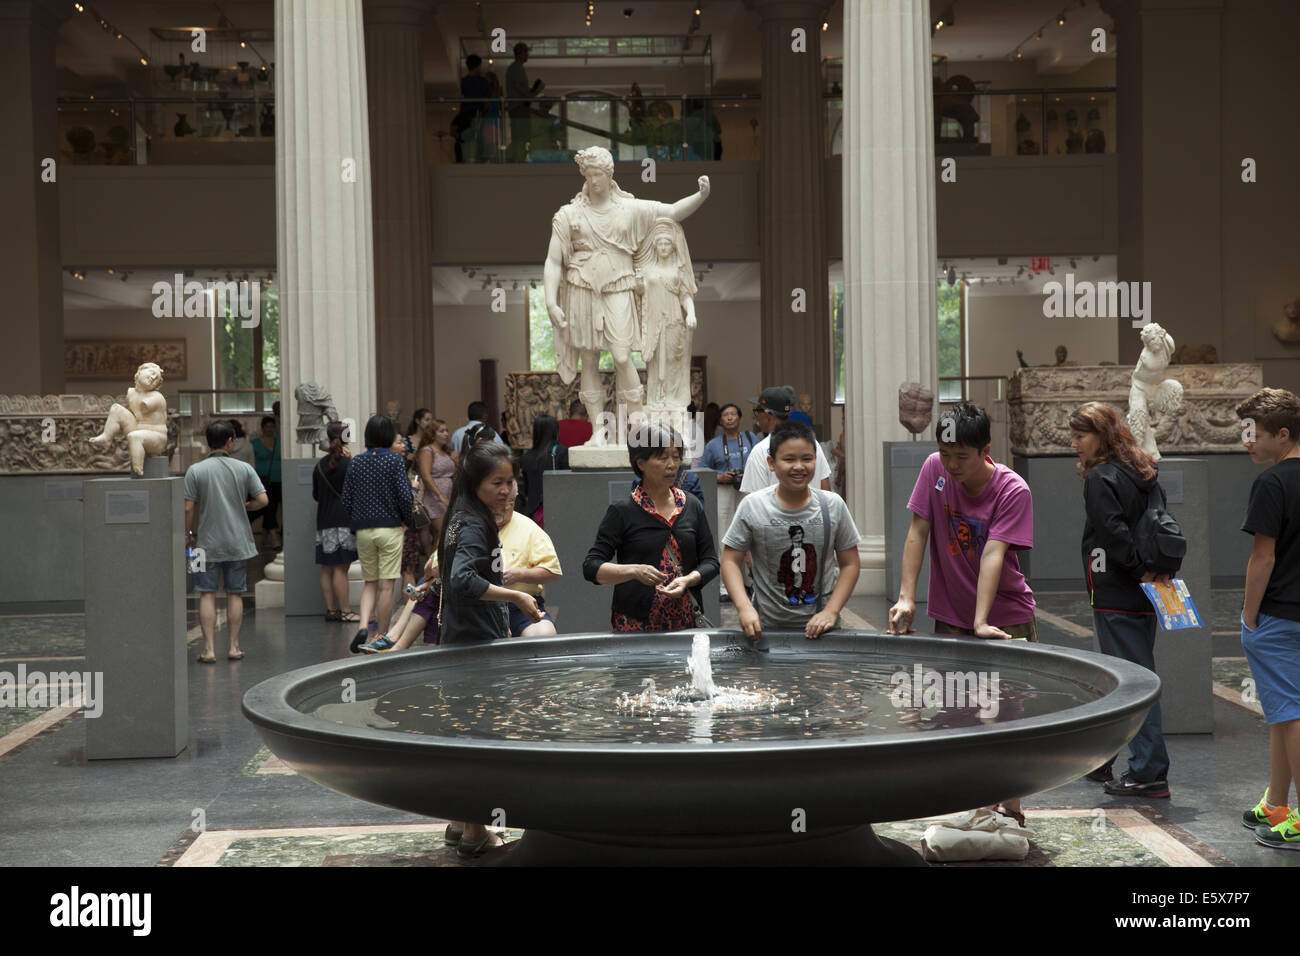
<point>795,584</point>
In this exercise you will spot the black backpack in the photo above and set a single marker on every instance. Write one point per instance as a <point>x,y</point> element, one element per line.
<point>1158,537</point>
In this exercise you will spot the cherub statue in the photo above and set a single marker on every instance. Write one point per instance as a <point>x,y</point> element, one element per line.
<point>143,420</point>
<point>667,287</point>
<point>1150,390</point>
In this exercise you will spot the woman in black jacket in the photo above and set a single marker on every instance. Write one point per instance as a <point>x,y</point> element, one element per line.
<point>1118,479</point>
<point>469,563</point>
<point>336,544</point>
<point>655,546</point>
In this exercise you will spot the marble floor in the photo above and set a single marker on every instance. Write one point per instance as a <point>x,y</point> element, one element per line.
<point>226,801</point>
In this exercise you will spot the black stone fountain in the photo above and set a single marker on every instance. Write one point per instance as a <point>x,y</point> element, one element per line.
<point>788,760</point>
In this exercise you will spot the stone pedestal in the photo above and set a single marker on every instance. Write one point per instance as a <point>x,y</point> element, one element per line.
<point>155,466</point>
<point>134,547</point>
<point>606,458</point>
<point>575,504</point>
<point>301,573</point>
<point>902,463</point>
<point>1183,657</point>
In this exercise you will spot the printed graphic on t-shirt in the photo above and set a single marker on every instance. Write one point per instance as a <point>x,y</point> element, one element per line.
<point>966,534</point>
<point>797,571</point>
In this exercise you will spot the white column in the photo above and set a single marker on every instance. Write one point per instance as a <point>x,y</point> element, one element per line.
<point>322,178</point>
<point>889,243</point>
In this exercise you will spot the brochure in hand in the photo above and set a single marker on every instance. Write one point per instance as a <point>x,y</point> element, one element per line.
<point>1173,603</point>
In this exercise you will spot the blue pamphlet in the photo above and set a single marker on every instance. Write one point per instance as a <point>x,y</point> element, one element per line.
<point>1173,603</point>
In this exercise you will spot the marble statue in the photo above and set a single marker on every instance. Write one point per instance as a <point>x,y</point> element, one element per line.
<point>1287,328</point>
<point>315,410</point>
<point>667,300</point>
<point>591,282</point>
<point>1151,391</point>
<point>143,420</point>
<point>915,407</point>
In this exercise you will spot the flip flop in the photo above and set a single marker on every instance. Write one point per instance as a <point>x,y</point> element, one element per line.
<point>207,660</point>
<point>235,657</point>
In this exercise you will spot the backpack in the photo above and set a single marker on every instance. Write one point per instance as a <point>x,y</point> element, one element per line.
<point>1158,538</point>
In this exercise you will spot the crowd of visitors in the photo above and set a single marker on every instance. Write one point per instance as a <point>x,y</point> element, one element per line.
<point>466,524</point>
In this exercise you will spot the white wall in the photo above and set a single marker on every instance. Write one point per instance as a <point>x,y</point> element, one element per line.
<point>997,325</point>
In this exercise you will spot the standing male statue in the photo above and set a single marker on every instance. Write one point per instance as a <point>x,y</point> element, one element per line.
<point>591,281</point>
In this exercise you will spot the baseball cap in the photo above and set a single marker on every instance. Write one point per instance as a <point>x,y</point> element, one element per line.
<point>778,399</point>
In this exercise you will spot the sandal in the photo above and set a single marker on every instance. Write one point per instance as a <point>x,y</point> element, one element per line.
<point>349,616</point>
<point>1016,815</point>
<point>467,851</point>
<point>236,656</point>
<point>332,616</point>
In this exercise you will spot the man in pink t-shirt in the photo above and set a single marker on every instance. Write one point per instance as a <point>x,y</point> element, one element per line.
<point>976,514</point>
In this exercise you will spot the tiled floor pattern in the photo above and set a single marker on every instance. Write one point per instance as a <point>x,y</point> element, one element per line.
<point>1066,837</point>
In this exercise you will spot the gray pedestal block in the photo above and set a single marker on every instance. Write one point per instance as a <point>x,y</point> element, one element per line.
<point>298,519</point>
<point>575,504</point>
<point>134,547</point>
<point>1183,657</point>
<point>902,464</point>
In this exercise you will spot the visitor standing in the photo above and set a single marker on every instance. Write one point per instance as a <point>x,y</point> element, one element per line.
<point>243,450</point>
<point>418,433</point>
<point>1119,485</point>
<point>547,454</point>
<point>378,498</point>
<point>417,523</point>
<point>1270,615</point>
<point>576,429</point>
<point>790,531</point>
<point>469,120</point>
<point>219,493</point>
<point>520,95</point>
<point>336,544</point>
<point>976,514</point>
<point>654,546</point>
<point>266,457</point>
<point>477,413</point>
<point>474,597</point>
<point>437,465</point>
<point>727,455</point>
<point>771,409</point>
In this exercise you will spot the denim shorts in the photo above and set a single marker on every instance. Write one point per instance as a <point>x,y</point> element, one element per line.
<point>519,620</point>
<point>1273,650</point>
<point>234,573</point>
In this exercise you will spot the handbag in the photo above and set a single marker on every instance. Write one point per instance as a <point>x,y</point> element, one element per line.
<point>419,517</point>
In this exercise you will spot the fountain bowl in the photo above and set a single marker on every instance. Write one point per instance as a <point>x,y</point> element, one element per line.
<point>674,803</point>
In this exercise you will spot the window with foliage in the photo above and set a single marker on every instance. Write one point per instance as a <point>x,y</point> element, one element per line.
<point>247,358</point>
<point>837,339</point>
<point>541,338</point>
<point>952,311</point>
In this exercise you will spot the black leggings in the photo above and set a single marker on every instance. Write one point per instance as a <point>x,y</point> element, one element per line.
<point>268,513</point>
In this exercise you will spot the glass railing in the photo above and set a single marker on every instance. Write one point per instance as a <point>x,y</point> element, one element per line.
<point>1011,122</point>
<point>216,128</point>
<point>198,407</point>
<point>552,129</point>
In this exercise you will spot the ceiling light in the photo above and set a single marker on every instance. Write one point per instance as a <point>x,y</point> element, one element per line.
<point>110,270</point>
<point>81,7</point>
<point>1060,19</point>
<point>1019,55</point>
<point>825,26</point>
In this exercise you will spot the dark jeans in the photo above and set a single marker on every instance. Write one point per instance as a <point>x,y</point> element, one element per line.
<point>1132,637</point>
<point>268,513</point>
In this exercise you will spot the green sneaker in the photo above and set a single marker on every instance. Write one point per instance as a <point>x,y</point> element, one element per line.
<point>1284,836</point>
<point>1257,816</point>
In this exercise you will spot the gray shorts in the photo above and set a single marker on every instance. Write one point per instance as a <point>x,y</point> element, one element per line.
<point>234,573</point>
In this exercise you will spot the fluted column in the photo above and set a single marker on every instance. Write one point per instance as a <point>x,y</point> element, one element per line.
<point>889,240</point>
<point>796,346</point>
<point>402,215</point>
<point>323,183</point>
<point>31,361</point>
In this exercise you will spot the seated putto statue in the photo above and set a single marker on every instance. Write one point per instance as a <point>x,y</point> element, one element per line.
<point>143,420</point>
<point>1151,391</point>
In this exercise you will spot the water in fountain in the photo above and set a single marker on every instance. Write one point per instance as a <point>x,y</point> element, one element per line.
<point>701,696</point>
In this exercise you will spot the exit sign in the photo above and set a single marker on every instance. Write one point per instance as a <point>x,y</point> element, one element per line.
<point>1040,264</point>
